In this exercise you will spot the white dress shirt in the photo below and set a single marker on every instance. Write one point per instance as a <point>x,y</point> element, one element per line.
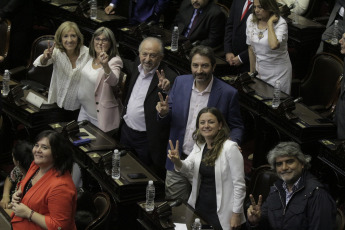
<point>135,115</point>
<point>198,101</point>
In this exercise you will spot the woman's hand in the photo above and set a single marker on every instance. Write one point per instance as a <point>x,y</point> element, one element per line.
<point>4,203</point>
<point>235,221</point>
<point>174,155</point>
<point>273,19</point>
<point>21,210</point>
<point>16,197</point>
<point>47,54</point>
<point>103,57</point>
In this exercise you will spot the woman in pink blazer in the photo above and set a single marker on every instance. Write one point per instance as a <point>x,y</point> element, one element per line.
<point>46,198</point>
<point>99,77</point>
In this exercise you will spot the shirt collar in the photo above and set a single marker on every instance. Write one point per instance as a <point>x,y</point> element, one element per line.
<point>149,74</point>
<point>294,187</point>
<point>208,88</point>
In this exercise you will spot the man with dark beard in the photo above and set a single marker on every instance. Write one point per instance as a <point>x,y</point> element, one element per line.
<point>189,94</point>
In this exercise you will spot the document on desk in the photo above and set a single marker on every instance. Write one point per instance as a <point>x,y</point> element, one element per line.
<point>179,226</point>
<point>35,99</point>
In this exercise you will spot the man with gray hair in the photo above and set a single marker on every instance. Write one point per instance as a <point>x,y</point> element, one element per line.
<point>139,127</point>
<point>297,200</point>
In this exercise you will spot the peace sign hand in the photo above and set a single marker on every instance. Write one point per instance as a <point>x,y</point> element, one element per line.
<point>254,210</point>
<point>47,53</point>
<point>164,83</point>
<point>174,154</point>
<point>162,106</point>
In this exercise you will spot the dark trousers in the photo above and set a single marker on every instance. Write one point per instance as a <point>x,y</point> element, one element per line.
<point>137,141</point>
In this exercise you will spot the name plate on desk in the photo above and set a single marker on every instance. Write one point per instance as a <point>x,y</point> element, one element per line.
<point>35,99</point>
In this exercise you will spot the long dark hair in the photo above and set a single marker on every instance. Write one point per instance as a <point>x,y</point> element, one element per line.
<point>22,152</point>
<point>268,5</point>
<point>61,150</point>
<point>219,139</point>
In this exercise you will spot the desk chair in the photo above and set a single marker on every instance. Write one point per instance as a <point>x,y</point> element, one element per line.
<point>320,89</point>
<point>38,78</point>
<point>340,220</point>
<point>224,9</point>
<point>103,206</point>
<point>5,29</point>
<point>262,179</point>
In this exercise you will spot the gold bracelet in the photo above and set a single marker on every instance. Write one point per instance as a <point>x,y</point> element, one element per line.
<point>32,212</point>
<point>107,74</point>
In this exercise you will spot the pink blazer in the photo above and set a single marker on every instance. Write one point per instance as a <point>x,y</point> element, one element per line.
<point>108,107</point>
<point>53,196</point>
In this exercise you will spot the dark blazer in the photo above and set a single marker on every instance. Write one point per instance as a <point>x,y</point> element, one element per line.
<point>145,10</point>
<point>209,29</point>
<point>222,96</point>
<point>340,112</point>
<point>157,133</point>
<point>235,33</point>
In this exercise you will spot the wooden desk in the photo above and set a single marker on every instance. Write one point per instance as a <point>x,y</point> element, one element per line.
<point>183,215</point>
<point>58,11</point>
<point>271,126</point>
<point>30,116</point>
<point>95,159</point>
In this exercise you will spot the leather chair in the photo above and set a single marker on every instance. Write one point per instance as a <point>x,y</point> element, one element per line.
<point>38,78</point>
<point>103,206</point>
<point>320,89</point>
<point>5,29</point>
<point>261,180</point>
<point>340,220</point>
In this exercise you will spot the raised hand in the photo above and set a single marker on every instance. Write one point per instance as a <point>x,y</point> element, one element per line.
<point>103,57</point>
<point>164,83</point>
<point>162,106</point>
<point>254,210</point>
<point>174,154</point>
<point>47,53</point>
<point>273,19</point>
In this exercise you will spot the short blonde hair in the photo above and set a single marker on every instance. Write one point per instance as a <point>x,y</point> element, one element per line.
<point>64,27</point>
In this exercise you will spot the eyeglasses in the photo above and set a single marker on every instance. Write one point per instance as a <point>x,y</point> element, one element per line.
<point>151,55</point>
<point>101,40</point>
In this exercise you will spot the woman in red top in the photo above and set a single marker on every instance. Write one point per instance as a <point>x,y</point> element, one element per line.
<point>46,198</point>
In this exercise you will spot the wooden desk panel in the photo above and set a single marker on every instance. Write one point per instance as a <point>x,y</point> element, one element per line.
<point>183,215</point>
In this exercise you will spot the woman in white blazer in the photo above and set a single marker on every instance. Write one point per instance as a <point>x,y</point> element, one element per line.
<point>218,188</point>
<point>100,74</point>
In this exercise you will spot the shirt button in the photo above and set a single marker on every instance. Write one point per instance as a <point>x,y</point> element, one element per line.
<point>97,103</point>
<point>97,111</point>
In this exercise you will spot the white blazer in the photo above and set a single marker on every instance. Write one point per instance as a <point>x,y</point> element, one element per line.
<point>229,176</point>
